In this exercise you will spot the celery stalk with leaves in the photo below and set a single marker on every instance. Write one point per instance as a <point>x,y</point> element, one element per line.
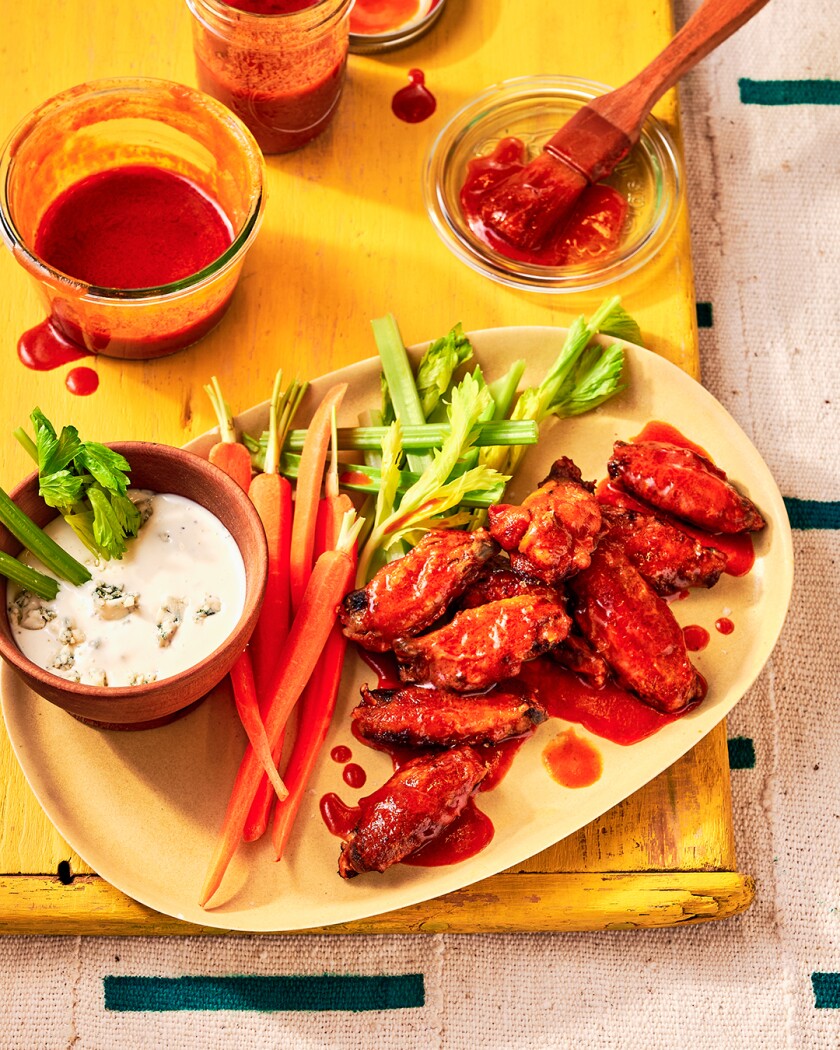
<point>426,504</point>
<point>581,378</point>
<point>86,482</point>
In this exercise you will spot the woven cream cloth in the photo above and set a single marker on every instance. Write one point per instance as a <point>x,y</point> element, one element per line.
<point>763,189</point>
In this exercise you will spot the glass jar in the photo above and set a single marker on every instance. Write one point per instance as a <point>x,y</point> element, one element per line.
<point>104,125</point>
<point>282,71</point>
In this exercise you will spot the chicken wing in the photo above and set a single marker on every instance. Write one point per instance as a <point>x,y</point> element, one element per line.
<point>410,594</point>
<point>482,646</point>
<point>412,808</point>
<point>681,482</point>
<point>553,533</point>
<point>498,580</point>
<point>668,558</point>
<point>417,717</point>
<point>576,655</point>
<point>625,621</point>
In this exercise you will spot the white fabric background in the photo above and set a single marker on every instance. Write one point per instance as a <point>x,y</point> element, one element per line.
<point>765,222</point>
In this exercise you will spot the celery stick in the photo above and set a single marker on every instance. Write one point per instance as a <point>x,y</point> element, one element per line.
<point>30,579</point>
<point>400,378</point>
<point>503,389</point>
<point>427,436</point>
<point>358,477</point>
<point>36,540</point>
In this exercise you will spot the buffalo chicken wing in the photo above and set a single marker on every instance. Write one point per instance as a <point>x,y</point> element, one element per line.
<point>418,717</point>
<point>418,802</point>
<point>683,483</point>
<point>553,533</point>
<point>634,630</point>
<point>481,646</point>
<point>409,594</point>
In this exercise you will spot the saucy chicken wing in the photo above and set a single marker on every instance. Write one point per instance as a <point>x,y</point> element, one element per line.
<point>410,594</point>
<point>553,533</point>
<point>577,655</point>
<point>409,810</point>
<point>498,580</point>
<point>668,558</point>
<point>634,630</point>
<point>481,646</point>
<point>681,482</point>
<point>416,717</point>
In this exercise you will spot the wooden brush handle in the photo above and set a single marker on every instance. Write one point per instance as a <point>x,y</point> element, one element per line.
<point>712,23</point>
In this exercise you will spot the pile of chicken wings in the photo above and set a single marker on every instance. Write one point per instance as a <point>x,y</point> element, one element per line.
<point>561,573</point>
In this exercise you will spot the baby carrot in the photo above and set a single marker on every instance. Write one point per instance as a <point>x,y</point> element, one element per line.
<point>245,695</point>
<point>228,454</point>
<point>271,494</point>
<point>331,578</point>
<point>318,702</point>
<point>308,491</point>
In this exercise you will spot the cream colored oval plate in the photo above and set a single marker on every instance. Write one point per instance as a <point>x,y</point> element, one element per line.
<point>143,809</point>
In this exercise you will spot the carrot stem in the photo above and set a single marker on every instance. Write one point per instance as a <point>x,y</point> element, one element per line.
<point>227,454</point>
<point>331,578</point>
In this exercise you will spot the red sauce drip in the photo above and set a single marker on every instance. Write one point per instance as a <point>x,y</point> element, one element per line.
<point>414,102</point>
<point>610,712</point>
<point>656,430</point>
<point>339,818</point>
<point>466,836</point>
<point>45,347</point>
<point>132,227</point>
<point>354,776</point>
<point>354,477</point>
<point>724,625</point>
<point>498,759</point>
<point>592,230</point>
<point>696,637</point>
<point>384,666</point>
<point>82,381</point>
<point>384,16</point>
<point>341,754</point>
<point>573,761</point>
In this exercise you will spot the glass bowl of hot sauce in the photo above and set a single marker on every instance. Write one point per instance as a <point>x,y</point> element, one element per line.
<point>619,224</point>
<point>132,203</point>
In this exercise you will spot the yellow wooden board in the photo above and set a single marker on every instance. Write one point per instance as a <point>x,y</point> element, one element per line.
<point>346,239</point>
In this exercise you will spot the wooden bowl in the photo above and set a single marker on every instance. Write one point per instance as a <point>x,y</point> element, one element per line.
<point>161,468</point>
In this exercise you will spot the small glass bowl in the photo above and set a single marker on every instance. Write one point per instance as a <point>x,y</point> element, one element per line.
<point>362,43</point>
<point>532,109</point>
<point>125,121</point>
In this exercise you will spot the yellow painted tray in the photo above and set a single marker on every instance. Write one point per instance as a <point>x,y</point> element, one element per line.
<point>346,239</point>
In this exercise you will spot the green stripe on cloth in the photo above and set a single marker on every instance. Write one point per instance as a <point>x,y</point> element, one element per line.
<point>741,752</point>
<point>704,315</point>
<point>299,993</point>
<point>789,92</point>
<point>826,990</point>
<point>813,513</point>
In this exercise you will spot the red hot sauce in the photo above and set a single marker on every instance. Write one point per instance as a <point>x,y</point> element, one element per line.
<point>592,231</point>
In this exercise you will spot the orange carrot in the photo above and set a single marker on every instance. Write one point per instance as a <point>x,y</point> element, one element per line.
<point>331,578</point>
<point>245,695</point>
<point>318,702</point>
<point>271,494</point>
<point>308,491</point>
<point>228,454</point>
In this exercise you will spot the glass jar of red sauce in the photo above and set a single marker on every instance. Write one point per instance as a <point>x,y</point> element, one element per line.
<point>278,64</point>
<point>164,282</point>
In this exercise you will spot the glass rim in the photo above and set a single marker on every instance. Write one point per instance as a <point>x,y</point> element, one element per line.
<point>42,270</point>
<point>529,276</point>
